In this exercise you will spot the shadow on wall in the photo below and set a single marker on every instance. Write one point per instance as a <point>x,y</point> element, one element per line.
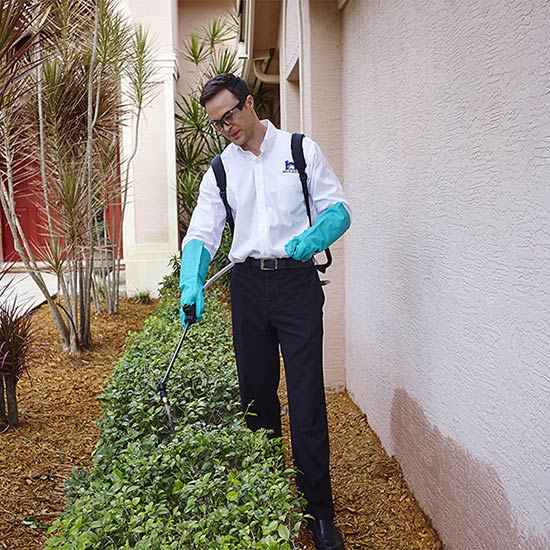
<point>464,497</point>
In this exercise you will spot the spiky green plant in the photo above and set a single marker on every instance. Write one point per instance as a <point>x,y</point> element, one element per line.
<point>16,338</point>
<point>72,124</point>
<point>20,25</point>
<point>142,297</point>
<point>15,341</point>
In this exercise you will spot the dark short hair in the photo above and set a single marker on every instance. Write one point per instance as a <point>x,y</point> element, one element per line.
<point>227,81</point>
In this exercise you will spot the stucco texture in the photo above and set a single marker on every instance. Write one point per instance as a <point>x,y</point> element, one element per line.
<point>447,166</point>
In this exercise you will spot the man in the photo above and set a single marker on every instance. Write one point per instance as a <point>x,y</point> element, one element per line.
<point>276,295</point>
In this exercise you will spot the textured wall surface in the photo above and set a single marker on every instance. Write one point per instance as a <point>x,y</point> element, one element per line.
<point>447,164</point>
<point>322,119</point>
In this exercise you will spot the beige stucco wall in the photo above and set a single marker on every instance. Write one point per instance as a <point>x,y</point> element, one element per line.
<point>311,81</point>
<point>193,14</point>
<point>447,165</point>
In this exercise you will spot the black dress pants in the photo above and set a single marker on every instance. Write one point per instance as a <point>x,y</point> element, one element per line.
<point>284,308</point>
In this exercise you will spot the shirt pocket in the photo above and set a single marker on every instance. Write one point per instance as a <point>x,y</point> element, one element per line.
<point>290,199</point>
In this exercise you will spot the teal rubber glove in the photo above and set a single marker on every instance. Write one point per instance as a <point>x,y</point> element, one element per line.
<point>194,265</point>
<point>330,225</point>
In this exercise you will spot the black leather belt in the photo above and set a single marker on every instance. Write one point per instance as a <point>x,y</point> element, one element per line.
<point>273,264</point>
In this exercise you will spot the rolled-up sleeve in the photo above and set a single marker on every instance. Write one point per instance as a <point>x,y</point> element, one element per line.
<point>208,219</point>
<point>325,188</point>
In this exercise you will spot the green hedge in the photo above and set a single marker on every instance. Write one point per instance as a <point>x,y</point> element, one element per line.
<point>213,484</point>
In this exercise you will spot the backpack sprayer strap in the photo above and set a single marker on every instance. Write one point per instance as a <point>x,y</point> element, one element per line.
<point>221,181</point>
<point>299,160</point>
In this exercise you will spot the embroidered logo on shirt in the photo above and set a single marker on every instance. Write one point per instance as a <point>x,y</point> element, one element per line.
<point>289,168</point>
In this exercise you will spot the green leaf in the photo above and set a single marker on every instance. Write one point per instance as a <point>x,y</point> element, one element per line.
<point>29,522</point>
<point>118,474</point>
<point>283,531</point>
<point>178,486</point>
<point>232,496</point>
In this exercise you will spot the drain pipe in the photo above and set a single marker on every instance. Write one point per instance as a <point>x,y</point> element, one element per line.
<point>252,66</point>
<point>260,74</point>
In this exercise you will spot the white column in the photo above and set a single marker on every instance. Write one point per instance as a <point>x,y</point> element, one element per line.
<point>150,225</point>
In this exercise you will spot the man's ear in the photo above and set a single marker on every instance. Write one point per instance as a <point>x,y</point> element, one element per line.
<point>249,102</point>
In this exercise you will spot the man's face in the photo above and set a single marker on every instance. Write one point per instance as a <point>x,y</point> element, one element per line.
<point>238,123</point>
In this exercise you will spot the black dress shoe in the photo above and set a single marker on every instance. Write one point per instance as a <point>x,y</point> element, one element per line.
<point>326,535</point>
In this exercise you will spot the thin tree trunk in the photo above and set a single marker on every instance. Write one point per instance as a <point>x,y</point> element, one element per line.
<point>42,146</point>
<point>85,313</point>
<point>103,268</point>
<point>95,297</point>
<point>124,200</point>
<point>74,288</point>
<point>84,302</point>
<point>31,268</point>
<point>3,415</point>
<point>11,398</point>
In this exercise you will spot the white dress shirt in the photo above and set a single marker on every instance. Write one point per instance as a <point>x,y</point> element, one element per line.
<point>265,196</point>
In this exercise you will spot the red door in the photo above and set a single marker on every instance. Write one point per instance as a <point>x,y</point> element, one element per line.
<point>29,206</point>
<point>29,203</point>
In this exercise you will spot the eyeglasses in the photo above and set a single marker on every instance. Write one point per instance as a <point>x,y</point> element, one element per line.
<point>227,119</point>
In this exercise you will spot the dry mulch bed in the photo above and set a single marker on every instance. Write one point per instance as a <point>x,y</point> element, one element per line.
<point>373,506</point>
<point>59,408</point>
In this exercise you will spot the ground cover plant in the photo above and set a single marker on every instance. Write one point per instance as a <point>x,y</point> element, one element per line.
<point>211,484</point>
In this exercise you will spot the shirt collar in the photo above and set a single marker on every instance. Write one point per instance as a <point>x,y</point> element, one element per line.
<point>269,138</point>
<point>267,142</point>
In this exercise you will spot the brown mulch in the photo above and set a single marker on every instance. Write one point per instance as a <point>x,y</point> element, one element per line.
<point>59,407</point>
<point>374,508</point>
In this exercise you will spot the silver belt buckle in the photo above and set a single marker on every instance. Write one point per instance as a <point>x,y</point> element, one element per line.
<point>269,264</point>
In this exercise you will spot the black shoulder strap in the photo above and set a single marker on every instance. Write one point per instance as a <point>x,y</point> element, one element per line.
<point>297,146</point>
<point>221,181</point>
<point>299,160</point>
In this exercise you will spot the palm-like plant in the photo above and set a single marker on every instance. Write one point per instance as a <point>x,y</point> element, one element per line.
<point>20,23</point>
<point>71,123</point>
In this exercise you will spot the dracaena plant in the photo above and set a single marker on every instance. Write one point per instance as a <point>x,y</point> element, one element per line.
<point>86,72</point>
<point>16,339</point>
